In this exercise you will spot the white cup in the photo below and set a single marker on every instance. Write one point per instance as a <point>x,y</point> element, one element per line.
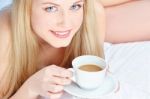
<point>85,79</point>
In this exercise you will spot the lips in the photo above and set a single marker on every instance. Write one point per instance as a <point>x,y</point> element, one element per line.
<point>61,34</point>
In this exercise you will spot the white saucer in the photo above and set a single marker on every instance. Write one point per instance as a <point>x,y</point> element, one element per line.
<point>108,87</point>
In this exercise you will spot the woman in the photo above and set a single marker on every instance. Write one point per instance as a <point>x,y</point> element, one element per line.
<point>39,39</point>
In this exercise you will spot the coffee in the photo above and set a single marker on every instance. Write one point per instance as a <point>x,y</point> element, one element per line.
<point>90,68</point>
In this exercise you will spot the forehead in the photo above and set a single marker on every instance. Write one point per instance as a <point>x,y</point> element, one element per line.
<point>56,1</point>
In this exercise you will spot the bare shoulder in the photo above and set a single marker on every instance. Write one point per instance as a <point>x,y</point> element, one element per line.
<point>4,24</point>
<point>4,38</point>
<point>5,20</point>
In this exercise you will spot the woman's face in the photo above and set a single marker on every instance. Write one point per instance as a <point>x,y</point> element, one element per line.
<point>56,21</point>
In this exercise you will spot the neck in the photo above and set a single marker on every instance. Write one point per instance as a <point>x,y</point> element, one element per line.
<point>49,55</point>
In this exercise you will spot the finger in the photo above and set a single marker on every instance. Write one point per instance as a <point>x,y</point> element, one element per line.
<point>54,88</point>
<point>60,81</point>
<point>58,71</point>
<point>62,72</point>
<point>52,95</point>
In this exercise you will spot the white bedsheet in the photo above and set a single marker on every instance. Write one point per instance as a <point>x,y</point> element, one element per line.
<point>130,63</point>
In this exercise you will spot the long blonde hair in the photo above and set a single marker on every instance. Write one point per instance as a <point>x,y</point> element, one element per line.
<point>25,47</point>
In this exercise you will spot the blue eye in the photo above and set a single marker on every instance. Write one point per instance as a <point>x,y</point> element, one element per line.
<point>75,7</point>
<point>51,9</point>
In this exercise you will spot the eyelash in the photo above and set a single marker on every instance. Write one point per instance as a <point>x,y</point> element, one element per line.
<point>50,8</point>
<point>79,6</point>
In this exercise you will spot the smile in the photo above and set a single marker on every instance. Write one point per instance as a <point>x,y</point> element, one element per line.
<point>61,34</point>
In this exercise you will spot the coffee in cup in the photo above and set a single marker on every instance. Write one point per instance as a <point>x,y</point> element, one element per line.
<point>89,71</point>
<point>90,68</point>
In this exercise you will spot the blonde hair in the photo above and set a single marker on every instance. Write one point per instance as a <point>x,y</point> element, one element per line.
<point>25,46</point>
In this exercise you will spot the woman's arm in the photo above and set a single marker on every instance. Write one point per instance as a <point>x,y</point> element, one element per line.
<point>128,22</point>
<point>113,2</point>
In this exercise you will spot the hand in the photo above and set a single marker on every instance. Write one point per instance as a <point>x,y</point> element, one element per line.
<point>48,82</point>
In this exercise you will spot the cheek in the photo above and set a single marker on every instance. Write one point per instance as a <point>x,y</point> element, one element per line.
<point>43,23</point>
<point>39,21</point>
<point>77,20</point>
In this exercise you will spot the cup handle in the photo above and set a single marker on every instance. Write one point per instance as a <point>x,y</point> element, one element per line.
<point>73,72</point>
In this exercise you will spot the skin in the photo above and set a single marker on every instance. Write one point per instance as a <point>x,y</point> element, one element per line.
<point>108,3</point>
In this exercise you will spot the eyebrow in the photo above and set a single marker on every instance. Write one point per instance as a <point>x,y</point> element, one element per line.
<point>79,1</point>
<point>58,4</point>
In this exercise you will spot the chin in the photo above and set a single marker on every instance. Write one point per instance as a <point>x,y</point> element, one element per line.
<point>61,45</point>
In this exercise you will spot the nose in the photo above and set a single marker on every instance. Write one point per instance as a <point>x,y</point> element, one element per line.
<point>64,19</point>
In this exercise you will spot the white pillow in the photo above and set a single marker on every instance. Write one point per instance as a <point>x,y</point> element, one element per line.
<point>130,63</point>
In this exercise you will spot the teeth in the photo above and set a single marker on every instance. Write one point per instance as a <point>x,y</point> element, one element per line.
<point>62,33</point>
